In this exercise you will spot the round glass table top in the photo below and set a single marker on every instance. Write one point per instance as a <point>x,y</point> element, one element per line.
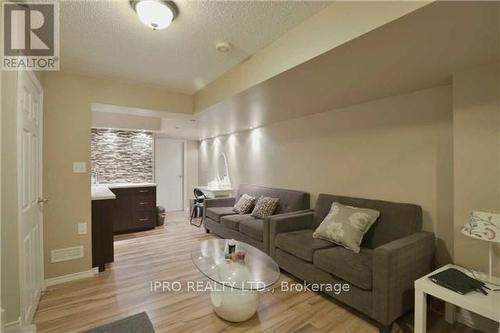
<point>256,272</point>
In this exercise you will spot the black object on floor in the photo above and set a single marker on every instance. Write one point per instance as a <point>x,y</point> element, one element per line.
<point>138,323</point>
<point>161,213</point>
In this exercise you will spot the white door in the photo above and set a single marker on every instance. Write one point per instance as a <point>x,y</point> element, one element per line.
<point>169,173</point>
<point>29,143</point>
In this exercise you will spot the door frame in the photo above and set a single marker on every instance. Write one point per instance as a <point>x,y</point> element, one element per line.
<point>21,76</point>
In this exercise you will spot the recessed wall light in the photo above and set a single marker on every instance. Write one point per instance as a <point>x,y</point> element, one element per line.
<point>156,14</point>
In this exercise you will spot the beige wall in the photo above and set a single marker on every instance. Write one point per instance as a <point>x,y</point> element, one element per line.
<point>125,121</point>
<point>2,315</point>
<point>67,122</point>
<point>337,24</point>
<point>476,141</point>
<point>398,148</point>
<point>107,91</point>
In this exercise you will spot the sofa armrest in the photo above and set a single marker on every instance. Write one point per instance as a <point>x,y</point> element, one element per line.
<point>220,202</point>
<point>288,222</point>
<point>396,266</point>
<point>298,220</point>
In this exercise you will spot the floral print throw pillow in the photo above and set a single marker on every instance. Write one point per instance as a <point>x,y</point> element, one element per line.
<point>346,225</point>
<point>265,207</point>
<point>244,205</point>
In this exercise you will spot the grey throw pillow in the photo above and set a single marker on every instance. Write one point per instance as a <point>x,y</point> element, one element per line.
<point>346,225</point>
<point>265,207</point>
<point>244,205</point>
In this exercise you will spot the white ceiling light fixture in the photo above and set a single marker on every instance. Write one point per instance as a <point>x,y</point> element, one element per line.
<point>156,14</point>
<point>223,47</point>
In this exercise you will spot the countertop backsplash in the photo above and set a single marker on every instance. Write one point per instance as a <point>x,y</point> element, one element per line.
<point>120,156</point>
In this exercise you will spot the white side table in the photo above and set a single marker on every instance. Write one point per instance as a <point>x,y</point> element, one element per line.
<point>485,305</point>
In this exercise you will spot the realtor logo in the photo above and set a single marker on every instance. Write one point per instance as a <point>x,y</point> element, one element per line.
<point>31,36</point>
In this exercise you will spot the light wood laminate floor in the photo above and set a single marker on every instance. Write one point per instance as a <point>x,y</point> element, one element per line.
<point>164,254</point>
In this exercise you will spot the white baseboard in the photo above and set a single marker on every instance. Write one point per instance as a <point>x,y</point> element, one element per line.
<point>71,277</point>
<point>12,326</point>
<point>2,319</point>
<point>15,327</point>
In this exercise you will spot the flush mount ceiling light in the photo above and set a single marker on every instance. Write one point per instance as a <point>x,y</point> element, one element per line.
<point>156,14</point>
<point>223,47</point>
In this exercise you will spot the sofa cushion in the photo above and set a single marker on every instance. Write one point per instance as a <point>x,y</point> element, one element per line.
<point>396,220</point>
<point>253,228</point>
<point>355,268</point>
<point>233,221</point>
<point>289,200</point>
<point>265,207</point>
<point>215,213</point>
<point>244,204</point>
<point>346,225</point>
<point>301,244</point>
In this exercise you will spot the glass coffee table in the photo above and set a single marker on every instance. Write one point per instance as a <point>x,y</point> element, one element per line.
<point>236,284</point>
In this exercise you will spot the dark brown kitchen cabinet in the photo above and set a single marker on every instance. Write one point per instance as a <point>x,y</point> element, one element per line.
<point>102,232</point>
<point>135,209</point>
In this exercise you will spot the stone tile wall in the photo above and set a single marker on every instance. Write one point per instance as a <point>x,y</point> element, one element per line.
<point>120,156</point>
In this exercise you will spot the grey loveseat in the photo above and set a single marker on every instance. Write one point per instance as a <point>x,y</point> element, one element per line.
<point>394,253</point>
<point>220,218</point>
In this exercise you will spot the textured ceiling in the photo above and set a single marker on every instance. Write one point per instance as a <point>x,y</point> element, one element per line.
<point>105,38</point>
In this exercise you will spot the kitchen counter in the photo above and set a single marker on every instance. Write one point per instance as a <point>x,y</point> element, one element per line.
<point>129,185</point>
<point>103,192</point>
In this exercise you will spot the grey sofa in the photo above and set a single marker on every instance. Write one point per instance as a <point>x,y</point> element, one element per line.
<point>220,218</point>
<point>394,253</point>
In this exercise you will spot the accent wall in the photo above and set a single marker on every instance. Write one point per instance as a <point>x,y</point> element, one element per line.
<point>119,156</point>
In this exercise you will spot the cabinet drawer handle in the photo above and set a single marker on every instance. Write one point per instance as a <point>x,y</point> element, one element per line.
<point>143,203</point>
<point>143,191</point>
<point>143,220</point>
